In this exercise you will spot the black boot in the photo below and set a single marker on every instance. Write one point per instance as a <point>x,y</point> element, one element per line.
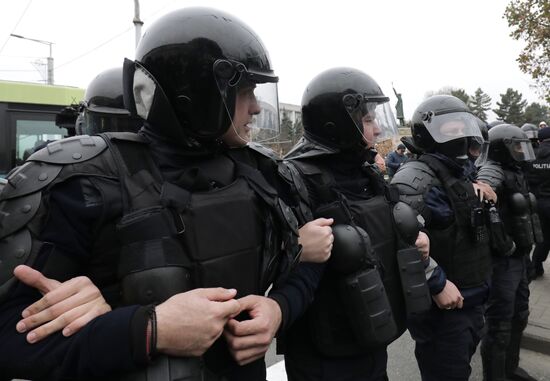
<point>539,270</point>
<point>513,371</point>
<point>521,375</point>
<point>493,351</point>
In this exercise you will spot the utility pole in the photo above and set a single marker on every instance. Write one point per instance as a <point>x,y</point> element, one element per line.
<point>137,22</point>
<point>50,80</point>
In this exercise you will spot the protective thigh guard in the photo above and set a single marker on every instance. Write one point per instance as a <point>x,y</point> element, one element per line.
<point>362,291</point>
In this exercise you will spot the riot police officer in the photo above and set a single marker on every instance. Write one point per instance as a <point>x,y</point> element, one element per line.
<point>359,307</point>
<point>508,306</point>
<point>539,181</point>
<point>437,188</point>
<point>138,215</point>
<point>102,109</point>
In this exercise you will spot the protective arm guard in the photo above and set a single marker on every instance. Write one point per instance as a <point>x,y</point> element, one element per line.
<point>537,227</point>
<point>361,288</point>
<point>21,197</point>
<point>491,173</point>
<point>411,267</point>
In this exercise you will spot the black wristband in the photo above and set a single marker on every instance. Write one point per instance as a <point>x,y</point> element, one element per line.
<point>139,335</point>
<point>152,350</point>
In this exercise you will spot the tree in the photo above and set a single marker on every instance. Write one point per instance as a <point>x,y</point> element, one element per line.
<point>480,103</point>
<point>286,125</point>
<point>461,94</point>
<point>535,112</point>
<point>296,131</point>
<point>510,107</point>
<point>448,90</point>
<point>530,22</point>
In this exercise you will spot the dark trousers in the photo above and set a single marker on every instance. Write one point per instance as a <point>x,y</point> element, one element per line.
<point>509,295</point>
<point>541,250</point>
<point>506,314</point>
<point>446,340</point>
<point>312,366</point>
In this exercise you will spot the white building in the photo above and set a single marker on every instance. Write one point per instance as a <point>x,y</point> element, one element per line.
<point>293,112</point>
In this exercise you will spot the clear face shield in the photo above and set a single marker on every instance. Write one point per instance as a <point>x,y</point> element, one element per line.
<point>478,149</point>
<point>520,149</point>
<point>389,131</point>
<point>450,126</point>
<point>255,103</point>
<point>372,117</point>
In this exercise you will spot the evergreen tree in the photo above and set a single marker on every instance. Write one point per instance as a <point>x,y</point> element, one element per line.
<point>510,108</point>
<point>535,113</point>
<point>461,94</point>
<point>480,103</point>
<point>286,126</point>
<point>297,131</point>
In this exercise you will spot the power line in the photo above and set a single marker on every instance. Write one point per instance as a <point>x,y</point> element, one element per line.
<point>18,21</point>
<point>112,38</point>
<point>93,49</point>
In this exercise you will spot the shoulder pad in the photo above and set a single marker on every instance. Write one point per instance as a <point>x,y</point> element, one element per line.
<point>290,174</point>
<point>414,177</point>
<point>492,174</point>
<point>413,180</point>
<point>71,150</point>
<point>16,212</point>
<point>14,250</point>
<point>29,178</point>
<point>306,167</point>
<point>263,150</point>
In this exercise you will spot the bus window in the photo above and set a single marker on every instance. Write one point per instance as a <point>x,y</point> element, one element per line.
<point>32,134</point>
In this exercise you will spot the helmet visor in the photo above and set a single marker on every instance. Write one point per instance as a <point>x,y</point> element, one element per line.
<point>251,101</point>
<point>368,115</point>
<point>450,126</point>
<point>483,151</point>
<point>519,149</point>
<point>91,123</point>
<point>265,125</point>
<point>387,123</point>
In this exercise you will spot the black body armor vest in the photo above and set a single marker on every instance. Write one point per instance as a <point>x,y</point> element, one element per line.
<point>160,239</point>
<point>460,249</point>
<point>519,212</point>
<point>360,202</point>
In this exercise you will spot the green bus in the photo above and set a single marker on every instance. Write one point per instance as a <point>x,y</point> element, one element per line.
<point>27,118</point>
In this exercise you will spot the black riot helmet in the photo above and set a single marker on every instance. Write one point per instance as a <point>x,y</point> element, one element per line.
<point>102,109</point>
<point>189,67</point>
<point>443,124</point>
<point>345,108</point>
<point>494,123</point>
<point>509,144</point>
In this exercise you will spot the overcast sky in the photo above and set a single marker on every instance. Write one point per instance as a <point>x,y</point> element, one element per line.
<point>419,45</point>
